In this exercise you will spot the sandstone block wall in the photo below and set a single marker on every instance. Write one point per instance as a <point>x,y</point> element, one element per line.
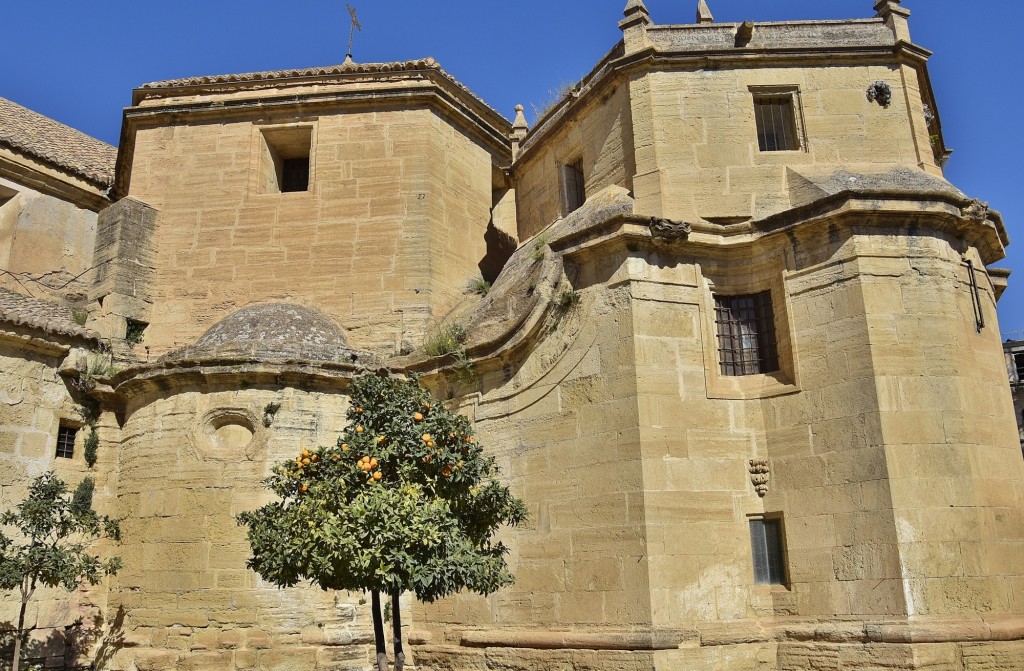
<point>48,238</point>
<point>385,239</point>
<point>190,462</point>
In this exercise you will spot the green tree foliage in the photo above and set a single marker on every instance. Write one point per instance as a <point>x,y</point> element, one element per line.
<point>405,501</point>
<point>52,533</point>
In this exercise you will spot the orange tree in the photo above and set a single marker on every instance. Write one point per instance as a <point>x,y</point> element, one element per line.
<point>405,501</point>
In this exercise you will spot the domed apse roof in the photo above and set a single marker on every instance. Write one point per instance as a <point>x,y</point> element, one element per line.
<point>273,331</point>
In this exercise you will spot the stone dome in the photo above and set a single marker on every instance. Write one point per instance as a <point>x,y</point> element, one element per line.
<point>273,331</point>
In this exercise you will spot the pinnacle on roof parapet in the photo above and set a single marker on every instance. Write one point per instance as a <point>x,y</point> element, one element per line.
<point>634,25</point>
<point>704,13</point>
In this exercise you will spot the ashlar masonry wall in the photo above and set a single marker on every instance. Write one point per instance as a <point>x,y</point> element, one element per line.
<point>385,239</point>
<point>191,460</point>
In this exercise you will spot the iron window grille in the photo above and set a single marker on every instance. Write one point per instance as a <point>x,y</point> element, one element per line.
<point>746,334</point>
<point>574,191</point>
<point>776,123</point>
<point>66,441</point>
<point>766,543</point>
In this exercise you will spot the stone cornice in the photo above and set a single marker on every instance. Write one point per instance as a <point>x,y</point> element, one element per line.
<point>52,180</point>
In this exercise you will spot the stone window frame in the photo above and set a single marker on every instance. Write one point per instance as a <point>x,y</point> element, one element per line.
<point>263,149</point>
<point>791,91</point>
<point>766,275</point>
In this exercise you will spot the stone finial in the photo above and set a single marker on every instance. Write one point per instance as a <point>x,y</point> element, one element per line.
<point>635,7</point>
<point>704,13</point>
<point>896,16</point>
<point>519,130</point>
<point>520,120</point>
<point>634,25</point>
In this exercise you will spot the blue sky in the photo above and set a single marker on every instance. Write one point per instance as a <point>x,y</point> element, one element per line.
<point>78,62</point>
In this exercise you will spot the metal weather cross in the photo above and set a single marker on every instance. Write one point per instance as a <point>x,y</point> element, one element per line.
<point>352,31</point>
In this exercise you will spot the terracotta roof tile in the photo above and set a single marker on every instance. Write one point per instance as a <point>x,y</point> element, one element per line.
<point>41,315</point>
<point>52,142</point>
<point>326,71</point>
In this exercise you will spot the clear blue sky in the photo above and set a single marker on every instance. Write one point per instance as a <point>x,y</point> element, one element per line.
<point>78,61</point>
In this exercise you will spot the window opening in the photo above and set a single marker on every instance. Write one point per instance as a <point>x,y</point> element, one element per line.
<point>285,164</point>
<point>66,441</point>
<point>766,543</point>
<point>573,186</point>
<point>1018,361</point>
<point>134,331</point>
<point>776,123</point>
<point>746,334</point>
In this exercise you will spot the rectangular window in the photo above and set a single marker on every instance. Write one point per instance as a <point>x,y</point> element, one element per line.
<point>285,164</point>
<point>574,192</point>
<point>1018,361</point>
<point>766,542</point>
<point>746,334</point>
<point>66,441</point>
<point>776,123</point>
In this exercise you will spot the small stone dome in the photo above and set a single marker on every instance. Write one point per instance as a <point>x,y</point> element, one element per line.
<point>273,331</point>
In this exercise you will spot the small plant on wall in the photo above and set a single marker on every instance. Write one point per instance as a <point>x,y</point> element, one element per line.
<point>406,501</point>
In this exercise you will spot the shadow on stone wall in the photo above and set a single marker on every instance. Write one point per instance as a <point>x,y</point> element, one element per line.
<point>79,646</point>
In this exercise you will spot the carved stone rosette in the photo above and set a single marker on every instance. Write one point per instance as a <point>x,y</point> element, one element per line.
<point>760,473</point>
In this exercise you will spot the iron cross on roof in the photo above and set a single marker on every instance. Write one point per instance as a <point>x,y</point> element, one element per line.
<point>352,31</point>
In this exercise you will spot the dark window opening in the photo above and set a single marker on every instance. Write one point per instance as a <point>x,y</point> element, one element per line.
<point>1018,361</point>
<point>574,191</point>
<point>134,331</point>
<point>295,174</point>
<point>776,123</point>
<point>66,441</point>
<point>285,165</point>
<point>746,334</point>
<point>766,542</point>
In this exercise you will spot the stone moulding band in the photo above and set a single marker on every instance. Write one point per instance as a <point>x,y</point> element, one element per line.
<point>979,630</point>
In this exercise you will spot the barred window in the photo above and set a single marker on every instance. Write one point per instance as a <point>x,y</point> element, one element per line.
<point>66,441</point>
<point>574,192</point>
<point>776,123</point>
<point>746,334</point>
<point>766,543</point>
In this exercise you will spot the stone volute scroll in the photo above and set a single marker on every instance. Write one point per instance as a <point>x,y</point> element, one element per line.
<point>760,474</point>
<point>667,230</point>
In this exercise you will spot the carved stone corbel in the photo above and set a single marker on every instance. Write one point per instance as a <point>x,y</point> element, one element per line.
<point>975,211</point>
<point>666,230</point>
<point>760,473</point>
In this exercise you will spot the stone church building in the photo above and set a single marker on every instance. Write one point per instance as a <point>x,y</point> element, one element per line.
<point>739,355</point>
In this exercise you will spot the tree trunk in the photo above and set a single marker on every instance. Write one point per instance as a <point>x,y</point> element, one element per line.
<point>21,626</point>
<point>396,631</point>
<point>378,632</point>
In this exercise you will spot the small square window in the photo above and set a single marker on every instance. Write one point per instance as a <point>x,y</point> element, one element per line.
<point>574,191</point>
<point>285,163</point>
<point>746,334</point>
<point>66,441</point>
<point>766,543</point>
<point>776,123</point>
